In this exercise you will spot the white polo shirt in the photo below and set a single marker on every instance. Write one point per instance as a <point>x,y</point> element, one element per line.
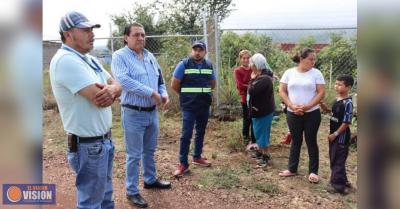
<point>69,73</point>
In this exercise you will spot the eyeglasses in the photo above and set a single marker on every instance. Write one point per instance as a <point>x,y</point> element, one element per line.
<point>138,34</point>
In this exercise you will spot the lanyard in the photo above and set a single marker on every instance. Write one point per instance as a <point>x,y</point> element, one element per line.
<point>96,67</point>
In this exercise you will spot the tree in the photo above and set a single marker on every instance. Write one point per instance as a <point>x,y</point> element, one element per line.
<point>184,17</point>
<point>174,17</point>
<point>143,14</point>
<point>232,44</point>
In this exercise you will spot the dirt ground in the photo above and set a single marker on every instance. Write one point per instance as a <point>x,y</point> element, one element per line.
<point>233,181</point>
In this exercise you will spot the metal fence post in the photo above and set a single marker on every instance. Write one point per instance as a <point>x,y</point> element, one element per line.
<point>330,75</point>
<point>111,40</point>
<point>205,28</point>
<point>217,57</point>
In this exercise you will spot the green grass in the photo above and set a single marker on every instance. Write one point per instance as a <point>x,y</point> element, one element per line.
<point>245,168</point>
<point>220,177</point>
<point>235,140</point>
<point>268,188</point>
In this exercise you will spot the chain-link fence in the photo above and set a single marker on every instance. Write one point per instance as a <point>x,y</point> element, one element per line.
<point>335,47</point>
<point>336,53</point>
<point>169,51</point>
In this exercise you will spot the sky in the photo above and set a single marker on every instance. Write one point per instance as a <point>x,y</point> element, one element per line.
<point>249,14</point>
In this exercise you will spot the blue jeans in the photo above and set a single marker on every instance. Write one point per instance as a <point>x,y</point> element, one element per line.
<point>93,163</point>
<point>141,132</point>
<point>190,119</point>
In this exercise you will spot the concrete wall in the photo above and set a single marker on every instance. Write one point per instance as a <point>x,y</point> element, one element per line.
<point>49,49</point>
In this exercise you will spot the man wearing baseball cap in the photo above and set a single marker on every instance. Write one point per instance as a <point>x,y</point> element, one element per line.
<point>84,92</point>
<point>193,80</point>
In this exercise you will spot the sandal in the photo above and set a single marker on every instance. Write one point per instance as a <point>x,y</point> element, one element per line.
<point>286,173</point>
<point>313,178</point>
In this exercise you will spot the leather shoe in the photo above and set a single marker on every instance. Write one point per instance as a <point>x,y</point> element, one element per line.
<point>158,184</point>
<point>137,200</point>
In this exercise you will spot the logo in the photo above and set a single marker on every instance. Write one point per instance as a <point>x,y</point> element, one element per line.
<point>24,194</point>
<point>14,194</point>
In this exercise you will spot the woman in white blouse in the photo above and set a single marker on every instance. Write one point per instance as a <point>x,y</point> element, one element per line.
<point>301,89</point>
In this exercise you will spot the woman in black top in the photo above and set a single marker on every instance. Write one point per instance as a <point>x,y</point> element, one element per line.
<point>261,103</point>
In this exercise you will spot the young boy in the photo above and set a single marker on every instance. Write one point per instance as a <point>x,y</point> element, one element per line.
<point>339,138</point>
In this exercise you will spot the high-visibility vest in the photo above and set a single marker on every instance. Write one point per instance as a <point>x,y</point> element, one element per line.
<point>196,85</point>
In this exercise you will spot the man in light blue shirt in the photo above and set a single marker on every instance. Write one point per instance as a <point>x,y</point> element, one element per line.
<point>84,91</point>
<point>143,89</point>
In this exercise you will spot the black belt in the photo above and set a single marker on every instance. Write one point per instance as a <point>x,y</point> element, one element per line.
<point>147,109</point>
<point>73,137</point>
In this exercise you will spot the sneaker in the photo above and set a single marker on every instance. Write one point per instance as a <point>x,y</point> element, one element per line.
<point>202,162</point>
<point>332,190</point>
<point>263,162</point>
<point>256,155</point>
<point>287,139</point>
<point>181,169</point>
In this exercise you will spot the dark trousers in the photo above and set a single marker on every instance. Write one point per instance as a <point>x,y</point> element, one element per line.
<point>307,124</point>
<point>338,153</point>
<point>193,119</point>
<point>247,124</point>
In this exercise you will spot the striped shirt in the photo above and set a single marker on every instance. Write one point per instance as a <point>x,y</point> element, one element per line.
<point>138,78</point>
<point>342,112</point>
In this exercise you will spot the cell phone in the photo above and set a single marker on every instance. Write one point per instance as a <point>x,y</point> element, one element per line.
<point>72,143</point>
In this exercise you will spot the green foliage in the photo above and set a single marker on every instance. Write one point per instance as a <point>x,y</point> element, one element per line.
<point>228,91</point>
<point>175,17</point>
<point>184,17</point>
<point>232,44</point>
<point>304,42</point>
<point>341,54</point>
<point>279,60</point>
<point>143,14</point>
<point>174,50</point>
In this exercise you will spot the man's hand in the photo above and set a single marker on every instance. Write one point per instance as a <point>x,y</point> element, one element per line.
<point>331,137</point>
<point>106,96</point>
<point>156,97</point>
<point>165,102</point>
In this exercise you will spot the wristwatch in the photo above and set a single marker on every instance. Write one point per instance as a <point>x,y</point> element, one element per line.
<point>336,133</point>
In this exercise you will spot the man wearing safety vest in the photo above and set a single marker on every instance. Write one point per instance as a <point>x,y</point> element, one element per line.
<point>193,80</point>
